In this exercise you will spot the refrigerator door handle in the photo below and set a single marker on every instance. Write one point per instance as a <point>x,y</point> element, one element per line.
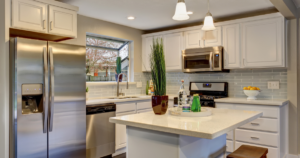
<point>51,108</point>
<point>46,90</point>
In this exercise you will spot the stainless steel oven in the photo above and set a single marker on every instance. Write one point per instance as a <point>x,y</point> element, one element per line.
<point>203,60</point>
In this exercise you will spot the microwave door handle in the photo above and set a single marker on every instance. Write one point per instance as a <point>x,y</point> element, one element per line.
<point>211,61</point>
<point>46,90</point>
<point>51,90</point>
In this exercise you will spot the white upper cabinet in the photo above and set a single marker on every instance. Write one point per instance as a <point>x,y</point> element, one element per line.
<point>147,43</point>
<point>62,21</point>
<point>49,17</point>
<point>231,44</point>
<point>193,39</point>
<point>173,50</point>
<point>263,43</point>
<point>29,15</point>
<point>253,42</point>
<point>212,38</point>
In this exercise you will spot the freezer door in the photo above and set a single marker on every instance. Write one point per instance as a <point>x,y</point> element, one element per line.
<point>67,115</point>
<point>28,132</point>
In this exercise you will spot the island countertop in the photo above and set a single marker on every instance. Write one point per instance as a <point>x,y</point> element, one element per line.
<point>219,123</point>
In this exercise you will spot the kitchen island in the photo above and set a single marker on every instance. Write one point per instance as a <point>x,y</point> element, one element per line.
<point>167,136</point>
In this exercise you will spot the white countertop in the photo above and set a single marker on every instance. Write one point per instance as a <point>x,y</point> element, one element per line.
<point>219,123</point>
<point>103,100</point>
<point>276,102</point>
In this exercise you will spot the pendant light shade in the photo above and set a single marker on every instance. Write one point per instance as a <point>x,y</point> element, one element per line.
<point>180,12</point>
<point>208,21</point>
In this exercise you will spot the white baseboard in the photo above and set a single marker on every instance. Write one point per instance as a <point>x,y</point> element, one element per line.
<point>119,152</point>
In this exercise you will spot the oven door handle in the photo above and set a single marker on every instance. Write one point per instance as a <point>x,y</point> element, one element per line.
<point>211,61</point>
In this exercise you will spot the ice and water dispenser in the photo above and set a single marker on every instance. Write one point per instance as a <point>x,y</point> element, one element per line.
<point>32,98</point>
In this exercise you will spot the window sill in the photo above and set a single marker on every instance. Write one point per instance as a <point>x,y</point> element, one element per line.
<point>107,83</point>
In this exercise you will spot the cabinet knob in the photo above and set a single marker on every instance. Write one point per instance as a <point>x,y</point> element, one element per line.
<point>51,25</point>
<point>252,123</point>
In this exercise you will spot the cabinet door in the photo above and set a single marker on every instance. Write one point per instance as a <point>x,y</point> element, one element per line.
<point>231,43</point>
<point>193,39</point>
<point>213,37</point>
<point>29,15</point>
<point>147,43</point>
<point>143,111</point>
<point>121,137</point>
<point>62,21</point>
<point>173,51</point>
<point>263,43</point>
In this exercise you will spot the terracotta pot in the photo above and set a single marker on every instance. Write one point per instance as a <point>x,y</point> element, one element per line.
<point>160,104</point>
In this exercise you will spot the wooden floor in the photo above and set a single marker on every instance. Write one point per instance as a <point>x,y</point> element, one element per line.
<point>119,156</point>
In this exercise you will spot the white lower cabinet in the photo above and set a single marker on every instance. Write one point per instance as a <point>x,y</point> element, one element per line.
<point>268,131</point>
<point>229,146</point>
<point>255,137</point>
<point>121,132</point>
<point>128,108</point>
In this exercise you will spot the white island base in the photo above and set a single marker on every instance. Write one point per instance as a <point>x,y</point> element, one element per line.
<point>144,143</point>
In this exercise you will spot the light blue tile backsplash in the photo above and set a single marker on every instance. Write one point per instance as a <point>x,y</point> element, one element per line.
<point>237,79</point>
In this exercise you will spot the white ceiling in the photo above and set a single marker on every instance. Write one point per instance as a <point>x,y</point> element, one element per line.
<point>297,3</point>
<point>154,14</point>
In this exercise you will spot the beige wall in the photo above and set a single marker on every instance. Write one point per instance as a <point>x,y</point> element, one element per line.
<point>292,84</point>
<point>91,25</point>
<point>4,80</point>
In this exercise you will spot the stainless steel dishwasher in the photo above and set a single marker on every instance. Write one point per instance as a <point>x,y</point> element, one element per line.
<point>100,133</point>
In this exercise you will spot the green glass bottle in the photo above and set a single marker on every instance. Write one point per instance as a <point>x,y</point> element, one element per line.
<point>196,106</point>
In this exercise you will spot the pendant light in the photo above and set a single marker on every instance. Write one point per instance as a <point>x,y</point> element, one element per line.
<point>180,12</point>
<point>208,21</point>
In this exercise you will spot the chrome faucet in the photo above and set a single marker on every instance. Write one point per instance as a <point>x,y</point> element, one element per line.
<point>118,94</point>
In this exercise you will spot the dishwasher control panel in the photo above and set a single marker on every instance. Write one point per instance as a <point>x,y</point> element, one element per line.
<point>102,108</point>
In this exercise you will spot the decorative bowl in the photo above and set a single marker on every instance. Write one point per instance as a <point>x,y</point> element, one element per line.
<point>252,94</point>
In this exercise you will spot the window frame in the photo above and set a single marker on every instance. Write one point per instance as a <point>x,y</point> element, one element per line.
<point>130,44</point>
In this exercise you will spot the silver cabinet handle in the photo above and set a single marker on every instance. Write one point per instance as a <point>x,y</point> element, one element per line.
<point>46,90</point>
<point>51,90</point>
<point>252,123</point>
<point>44,24</point>
<point>254,137</point>
<point>51,25</point>
<point>211,61</point>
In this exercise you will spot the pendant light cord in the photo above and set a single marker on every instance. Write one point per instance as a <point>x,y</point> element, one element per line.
<point>208,5</point>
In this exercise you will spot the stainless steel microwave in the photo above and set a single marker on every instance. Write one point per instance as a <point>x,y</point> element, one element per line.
<point>209,59</point>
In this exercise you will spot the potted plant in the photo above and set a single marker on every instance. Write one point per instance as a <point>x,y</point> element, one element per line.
<point>158,75</point>
<point>87,93</point>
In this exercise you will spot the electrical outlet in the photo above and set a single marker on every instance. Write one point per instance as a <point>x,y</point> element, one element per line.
<point>139,84</point>
<point>273,84</point>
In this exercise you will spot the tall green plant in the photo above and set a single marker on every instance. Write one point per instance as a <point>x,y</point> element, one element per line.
<point>158,67</point>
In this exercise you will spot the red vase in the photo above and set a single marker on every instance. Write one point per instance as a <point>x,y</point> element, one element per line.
<point>160,104</point>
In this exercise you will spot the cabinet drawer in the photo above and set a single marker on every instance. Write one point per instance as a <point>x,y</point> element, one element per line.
<point>124,107</point>
<point>268,112</point>
<point>144,105</point>
<point>272,152</point>
<point>262,124</point>
<point>255,137</point>
<point>230,135</point>
<point>229,146</point>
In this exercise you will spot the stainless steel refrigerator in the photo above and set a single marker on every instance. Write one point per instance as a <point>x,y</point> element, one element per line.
<point>48,109</point>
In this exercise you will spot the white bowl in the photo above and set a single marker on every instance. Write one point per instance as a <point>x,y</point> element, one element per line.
<point>251,94</point>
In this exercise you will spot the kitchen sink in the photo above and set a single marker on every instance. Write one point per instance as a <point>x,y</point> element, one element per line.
<point>124,97</point>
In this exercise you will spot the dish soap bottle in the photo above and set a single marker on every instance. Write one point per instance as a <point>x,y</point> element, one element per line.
<point>196,106</point>
<point>182,96</point>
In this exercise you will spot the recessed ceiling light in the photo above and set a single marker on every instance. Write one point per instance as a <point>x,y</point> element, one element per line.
<point>189,12</point>
<point>131,18</point>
